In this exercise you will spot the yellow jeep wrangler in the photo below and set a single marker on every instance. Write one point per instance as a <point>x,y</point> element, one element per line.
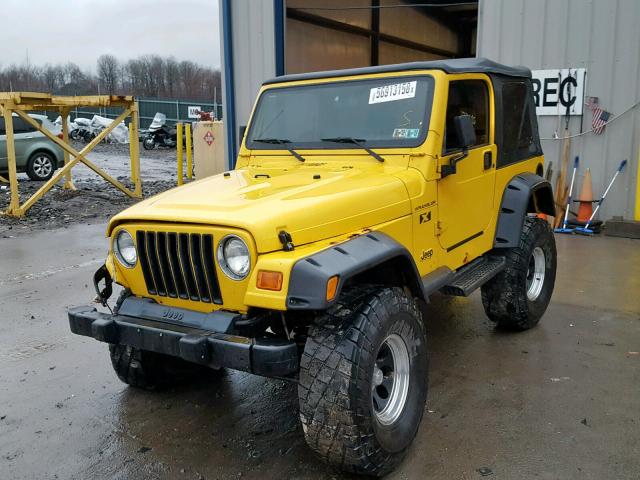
<point>357,194</point>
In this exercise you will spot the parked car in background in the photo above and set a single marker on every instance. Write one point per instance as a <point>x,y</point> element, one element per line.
<point>36,155</point>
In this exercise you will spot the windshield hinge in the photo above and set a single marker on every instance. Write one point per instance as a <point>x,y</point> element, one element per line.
<point>286,240</point>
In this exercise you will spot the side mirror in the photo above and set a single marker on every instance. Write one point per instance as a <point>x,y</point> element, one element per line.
<point>465,132</point>
<point>466,136</point>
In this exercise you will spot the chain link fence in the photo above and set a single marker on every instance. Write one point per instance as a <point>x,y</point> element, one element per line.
<point>175,110</point>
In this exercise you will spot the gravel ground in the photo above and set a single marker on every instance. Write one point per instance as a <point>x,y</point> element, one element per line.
<point>94,200</point>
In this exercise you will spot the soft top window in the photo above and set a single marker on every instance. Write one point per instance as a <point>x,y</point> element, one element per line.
<point>519,131</point>
<point>385,112</point>
<point>467,97</point>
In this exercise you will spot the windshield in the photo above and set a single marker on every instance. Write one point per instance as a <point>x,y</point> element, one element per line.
<point>388,112</point>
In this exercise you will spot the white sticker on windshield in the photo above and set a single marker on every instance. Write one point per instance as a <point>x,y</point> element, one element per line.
<point>406,133</point>
<point>391,93</point>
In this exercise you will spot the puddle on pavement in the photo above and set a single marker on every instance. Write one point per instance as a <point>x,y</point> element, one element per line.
<point>28,350</point>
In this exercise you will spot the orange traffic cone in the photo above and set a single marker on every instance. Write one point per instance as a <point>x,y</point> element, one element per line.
<point>585,198</point>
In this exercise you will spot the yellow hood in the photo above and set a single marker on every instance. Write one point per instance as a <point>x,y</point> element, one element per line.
<point>310,209</point>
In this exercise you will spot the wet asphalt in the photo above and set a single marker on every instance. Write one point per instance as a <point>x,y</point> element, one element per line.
<point>561,401</point>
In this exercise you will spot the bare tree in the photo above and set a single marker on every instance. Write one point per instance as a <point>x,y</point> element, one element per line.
<point>172,76</point>
<point>108,72</point>
<point>146,76</point>
<point>52,77</point>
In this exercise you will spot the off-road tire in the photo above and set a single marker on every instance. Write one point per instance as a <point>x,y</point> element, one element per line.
<point>154,371</point>
<point>41,166</point>
<point>336,380</point>
<point>504,297</point>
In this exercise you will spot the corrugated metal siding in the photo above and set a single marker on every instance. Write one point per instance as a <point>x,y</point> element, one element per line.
<point>253,40</point>
<point>602,36</point>
<point>253,51</point>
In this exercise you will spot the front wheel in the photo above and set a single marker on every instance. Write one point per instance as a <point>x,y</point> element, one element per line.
<point>150,371</point>
<point>149,143</point>
<point>518,296</point>
<point>363,380</point>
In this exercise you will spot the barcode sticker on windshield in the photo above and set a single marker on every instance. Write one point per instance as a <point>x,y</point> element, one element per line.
<point>391,93</point>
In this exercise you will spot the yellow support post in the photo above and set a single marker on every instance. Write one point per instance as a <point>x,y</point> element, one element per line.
<point>64,114</point>
<point>134,152</point>
<point>85,150</point>
<point>79,156</point>
<point>187,134</point>
<point>21,103</point>
<point>179,150</point>
<point>14,203</point>
<point>3,180</point>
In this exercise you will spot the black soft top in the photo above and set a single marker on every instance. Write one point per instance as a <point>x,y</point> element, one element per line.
<point>456,65</point>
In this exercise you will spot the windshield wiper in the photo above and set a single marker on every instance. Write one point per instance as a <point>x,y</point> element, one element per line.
<point>281,141</point>
<point>355,141</point>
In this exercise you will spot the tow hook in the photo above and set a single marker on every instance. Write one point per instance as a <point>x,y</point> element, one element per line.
<point>103,294</point>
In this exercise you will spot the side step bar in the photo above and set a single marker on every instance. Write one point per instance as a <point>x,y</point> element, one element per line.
<point>471,277</point>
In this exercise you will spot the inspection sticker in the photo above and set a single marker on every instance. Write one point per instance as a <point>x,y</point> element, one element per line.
<point>406,133</point>
<point>391,93</point>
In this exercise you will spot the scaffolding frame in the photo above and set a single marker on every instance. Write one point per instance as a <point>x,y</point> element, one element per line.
<point>21,103</point>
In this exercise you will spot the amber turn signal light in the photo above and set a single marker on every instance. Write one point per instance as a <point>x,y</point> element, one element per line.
<point>268,280</point>
<point>332,287</point>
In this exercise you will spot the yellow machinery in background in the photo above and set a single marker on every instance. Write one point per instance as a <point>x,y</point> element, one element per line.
<point>21,103</point>
<point>180,152</point>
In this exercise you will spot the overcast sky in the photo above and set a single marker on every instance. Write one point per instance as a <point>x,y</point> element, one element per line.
<point>59,31</point>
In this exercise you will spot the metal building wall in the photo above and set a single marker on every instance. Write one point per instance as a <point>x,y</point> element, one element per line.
<point>253,42</point>
<point>599,35</point>
<point>248,58</point>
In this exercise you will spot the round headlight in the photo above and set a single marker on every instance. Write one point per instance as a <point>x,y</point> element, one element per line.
<point>125,249</point>
<point>233,257</point>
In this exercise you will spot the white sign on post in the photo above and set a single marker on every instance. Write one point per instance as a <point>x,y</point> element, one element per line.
<point>555,90</point>
<point>194,111</point>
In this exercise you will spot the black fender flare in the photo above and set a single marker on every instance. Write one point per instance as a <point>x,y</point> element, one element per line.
<point>525,193</point>
<point>309,275</point>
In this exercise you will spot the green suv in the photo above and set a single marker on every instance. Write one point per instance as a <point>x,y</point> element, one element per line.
<point>36,155</point>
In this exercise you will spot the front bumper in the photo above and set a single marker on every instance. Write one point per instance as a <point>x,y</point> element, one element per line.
<point>192,336</point>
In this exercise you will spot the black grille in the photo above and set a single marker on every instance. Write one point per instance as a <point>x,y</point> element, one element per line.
<point>179,265</point>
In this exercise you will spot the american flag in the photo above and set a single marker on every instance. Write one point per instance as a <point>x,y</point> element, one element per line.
<point>600,116</point>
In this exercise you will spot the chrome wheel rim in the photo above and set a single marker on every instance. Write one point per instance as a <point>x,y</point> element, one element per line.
<point>42,166</point>
<point>390,381</point>
<point>535,273</point>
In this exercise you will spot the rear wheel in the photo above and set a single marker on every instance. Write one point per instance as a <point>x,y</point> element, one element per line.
<point>151,371</point>
<point>41,166</point>
<point>517,297</point>
<point>363,380</point>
